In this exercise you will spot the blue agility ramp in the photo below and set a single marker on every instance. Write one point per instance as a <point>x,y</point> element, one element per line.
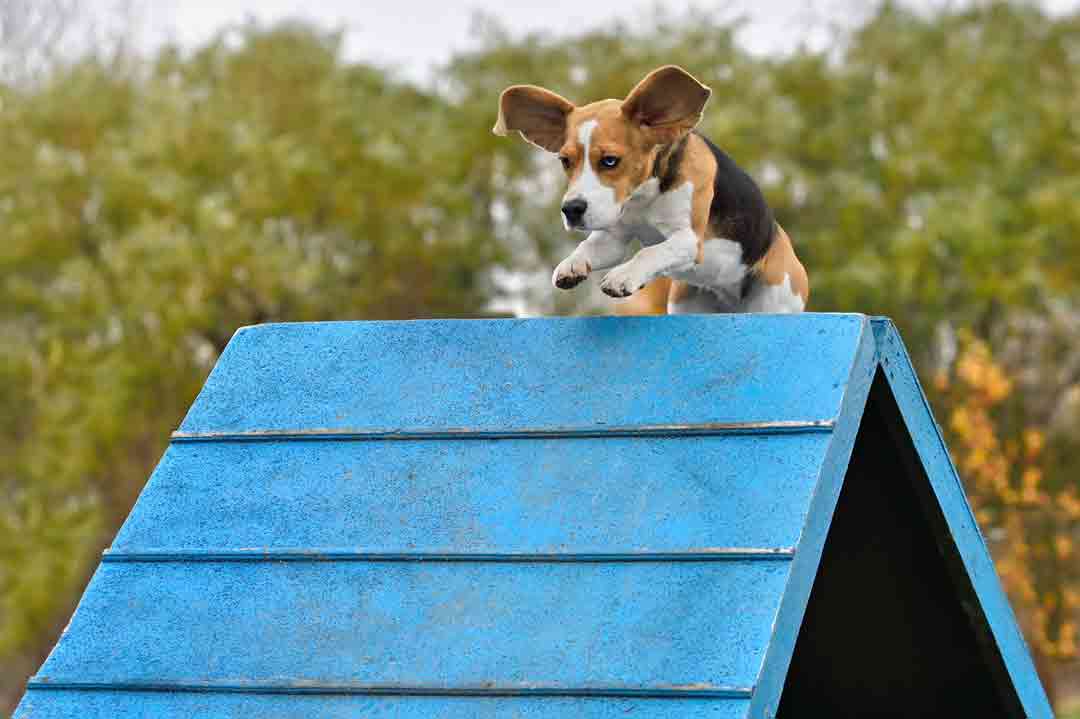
<point>714,516</point>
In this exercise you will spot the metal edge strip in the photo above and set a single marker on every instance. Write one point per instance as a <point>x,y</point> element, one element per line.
<point>645,430</point>
<point>346,555</point>
<point>328,688</point>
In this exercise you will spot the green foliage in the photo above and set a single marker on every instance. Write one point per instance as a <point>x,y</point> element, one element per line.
<point>926,167</point>
<point>148,210</point>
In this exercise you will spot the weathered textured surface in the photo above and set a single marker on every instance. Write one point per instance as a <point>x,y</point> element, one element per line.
<point>60,704</point>
<point>512,495</point>
<point>526,374</point>
<point>565,625</point>
<point>535,519</point>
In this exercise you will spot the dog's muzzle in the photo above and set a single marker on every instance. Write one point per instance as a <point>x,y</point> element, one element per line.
<point>574,212</point>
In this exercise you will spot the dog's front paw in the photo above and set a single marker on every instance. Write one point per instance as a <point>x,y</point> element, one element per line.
<point>622,281</point>
<point>570,273</point>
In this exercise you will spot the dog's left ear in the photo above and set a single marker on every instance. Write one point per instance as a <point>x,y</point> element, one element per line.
<point>667,104</point>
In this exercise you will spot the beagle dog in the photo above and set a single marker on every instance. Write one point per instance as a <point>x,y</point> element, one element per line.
<point>639,171</point>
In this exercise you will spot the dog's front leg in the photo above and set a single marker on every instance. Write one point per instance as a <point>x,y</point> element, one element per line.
<point>675,254</point>
<point>600,250</point>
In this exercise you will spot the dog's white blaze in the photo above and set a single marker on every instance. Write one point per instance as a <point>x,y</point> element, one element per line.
<point>776,299</point>
<point>602,209</point>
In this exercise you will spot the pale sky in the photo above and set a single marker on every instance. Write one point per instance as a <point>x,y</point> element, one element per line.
<point>413,35</point>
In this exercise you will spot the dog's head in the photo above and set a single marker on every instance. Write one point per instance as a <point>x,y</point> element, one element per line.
<point>608,147</point>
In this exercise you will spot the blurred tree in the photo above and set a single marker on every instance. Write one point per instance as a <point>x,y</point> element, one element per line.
<point>148,210</point>
<point>927,167</point>
<point>1032,518</point>
<point>30,35</point>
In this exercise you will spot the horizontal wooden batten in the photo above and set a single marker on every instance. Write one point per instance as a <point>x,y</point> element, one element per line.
<point>651,430</point>
<point>388,625</point>
<point>324,688</point>
<point>346,555</point>
<point>110,704</point>
<point>579,495</point>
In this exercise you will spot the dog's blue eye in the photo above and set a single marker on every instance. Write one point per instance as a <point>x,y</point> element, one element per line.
<point>609,161</point>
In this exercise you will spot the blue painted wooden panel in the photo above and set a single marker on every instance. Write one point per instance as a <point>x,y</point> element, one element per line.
<point>599,474</point>
<point>54,704</point>
<point>526,495</point>
<point>454,625</point>
<point>520,374</point>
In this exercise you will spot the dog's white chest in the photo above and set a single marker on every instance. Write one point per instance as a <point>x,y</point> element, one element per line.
<point>720,270</point>
<point>668,212</point>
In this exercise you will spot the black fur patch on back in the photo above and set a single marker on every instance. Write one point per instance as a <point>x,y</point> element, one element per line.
<point>739,212</point>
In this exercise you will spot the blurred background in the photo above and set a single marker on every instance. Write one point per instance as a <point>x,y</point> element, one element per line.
<point>170,171</point>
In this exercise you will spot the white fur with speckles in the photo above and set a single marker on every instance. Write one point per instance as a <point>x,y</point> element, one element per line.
<point>772,299</point>
<point>668,212</point>
<point>775,299</point>
<point>672,256</point>
<point>599,251</point>
<point>721,266</point>
<point>602,210</point>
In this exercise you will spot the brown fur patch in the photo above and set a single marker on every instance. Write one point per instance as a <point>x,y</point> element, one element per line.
<point>779,261</point>
<point>613,135</point>
<point>655,117</point>
<point>679,292</point>
<point>537,113</point>
<point>699,167</point>
<point>667,103</point>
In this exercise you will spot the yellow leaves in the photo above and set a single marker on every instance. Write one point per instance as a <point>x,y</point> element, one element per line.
<point>1069,504</point>
<point>941,380</point>
<point>1063,546</point>
<point>1066,644</point>
<point>981,375</point>
<point>1029,483</point>
<point>960,422</point>
<point>1004,471</point>
<point>1034,441</point>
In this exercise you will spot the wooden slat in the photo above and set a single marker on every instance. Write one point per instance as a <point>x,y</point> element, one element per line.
<point>512,375</point>
<point>557,627</point>
<point>579,496</point>
<point>62,704</point>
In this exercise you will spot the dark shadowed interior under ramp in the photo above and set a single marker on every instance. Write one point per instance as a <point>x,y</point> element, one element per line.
<point>892,628</point>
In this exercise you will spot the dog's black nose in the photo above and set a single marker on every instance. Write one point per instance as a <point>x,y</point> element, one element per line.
<point>574,210</point>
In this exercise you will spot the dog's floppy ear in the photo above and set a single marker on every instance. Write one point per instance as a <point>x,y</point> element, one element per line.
<point>667,104</point>
<point>538,114</point>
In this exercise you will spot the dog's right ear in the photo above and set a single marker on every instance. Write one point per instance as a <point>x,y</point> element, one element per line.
<point>538,114</point>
